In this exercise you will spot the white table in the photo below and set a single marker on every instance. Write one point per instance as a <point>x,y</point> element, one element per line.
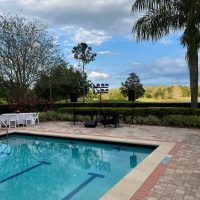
<point>24,117</point>
<point>19,118</point>
<point>10,119</point>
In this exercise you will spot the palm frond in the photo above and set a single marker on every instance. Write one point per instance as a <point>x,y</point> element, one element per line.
<point>146,5</point>
<point>157,23</point>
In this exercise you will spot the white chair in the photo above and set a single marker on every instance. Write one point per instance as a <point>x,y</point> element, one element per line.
<point>21,119</point>
<point>4,118</point>
<point>12,120</point>
<point>29,119</point>
<point>1,119</point>
<point>36,117</point>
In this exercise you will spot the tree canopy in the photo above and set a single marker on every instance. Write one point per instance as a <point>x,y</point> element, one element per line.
<point>62,81</point>
<point>83,53</point>
<point>132,83</point>
<point>26,50</point>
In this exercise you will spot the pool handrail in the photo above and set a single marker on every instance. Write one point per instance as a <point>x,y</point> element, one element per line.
<point>6,128</point>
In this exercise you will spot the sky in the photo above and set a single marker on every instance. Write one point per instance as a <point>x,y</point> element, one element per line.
<point>106,26</point>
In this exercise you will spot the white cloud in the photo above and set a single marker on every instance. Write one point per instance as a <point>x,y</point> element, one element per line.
<point>166,41</point>
<point>107,53</point>
<point>91,37</point>
<point>68,50</point>
<point>169,64</point>
<point>68,28</point>
<point>77,34</point>
<point>135,64</point>
<point>68,43</point>
<point>111,16</point>
<point>162,71</point>
<point>98,75</point>
<point>167,67</point>
<point>104,52</point>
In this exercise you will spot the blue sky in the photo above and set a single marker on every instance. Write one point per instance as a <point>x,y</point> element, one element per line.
<point>106,26</point>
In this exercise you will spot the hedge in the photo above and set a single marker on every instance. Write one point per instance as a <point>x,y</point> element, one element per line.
<point>128,104</point>
<point>160,112</point>
<point>43,107</point>
<point>168,120</point>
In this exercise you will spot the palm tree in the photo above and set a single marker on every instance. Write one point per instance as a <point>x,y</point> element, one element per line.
<point>164,16</point>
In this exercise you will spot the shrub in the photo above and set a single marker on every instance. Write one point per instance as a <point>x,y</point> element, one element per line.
<point>159,112</point>
<point>42,107</point>
<point>148,120</point>
<point>168,120</point>
<point>153,120</point>
<point>182,121</point>
<point>55,116</point>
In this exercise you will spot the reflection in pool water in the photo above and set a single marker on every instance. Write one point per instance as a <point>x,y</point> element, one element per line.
<point>75,169</point>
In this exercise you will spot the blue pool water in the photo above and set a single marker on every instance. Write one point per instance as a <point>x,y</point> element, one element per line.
<point>39,168</point>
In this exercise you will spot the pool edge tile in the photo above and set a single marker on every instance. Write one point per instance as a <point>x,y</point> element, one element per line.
<point>127,187</point>
<point>143,191</point>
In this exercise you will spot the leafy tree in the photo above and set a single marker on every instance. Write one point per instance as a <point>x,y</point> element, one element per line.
<point>62,81</point>
<point>25,51</point>
<point>91,95</point>
<point>132,83</point>
<point>170,92</point>
<point>114,94</point>
<point>160,17</point>
<point>83,53</point>
<point>185,91</point>
<point>3,92</point>
<point>148,94</point>
<point>160,93</point>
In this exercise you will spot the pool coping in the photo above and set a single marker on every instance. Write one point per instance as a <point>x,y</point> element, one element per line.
<point>137,183</point>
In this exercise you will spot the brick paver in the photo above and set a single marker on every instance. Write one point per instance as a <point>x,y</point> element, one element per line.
<point>181,178</point>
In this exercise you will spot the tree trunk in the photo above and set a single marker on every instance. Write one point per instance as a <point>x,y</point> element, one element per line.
<point>193,70</point>
<point>84,83</point>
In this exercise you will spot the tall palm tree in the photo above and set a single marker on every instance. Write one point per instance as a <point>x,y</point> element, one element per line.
<point>164,16</point>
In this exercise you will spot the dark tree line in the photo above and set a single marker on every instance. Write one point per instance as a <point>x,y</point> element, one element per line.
<point>61,81</point>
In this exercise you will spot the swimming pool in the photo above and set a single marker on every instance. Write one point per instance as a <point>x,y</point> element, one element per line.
<point>33,167</point>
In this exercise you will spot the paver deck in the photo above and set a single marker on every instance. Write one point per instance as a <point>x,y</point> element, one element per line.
<point>181,178</point>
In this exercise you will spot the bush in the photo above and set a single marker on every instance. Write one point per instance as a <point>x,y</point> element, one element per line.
<point>153,120</point>
<point>149,120</point>
<point>55,116</point>
<point>168,120</point>
<point>182,121</point>
<point>159,112</point>
<point>42,107</point>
